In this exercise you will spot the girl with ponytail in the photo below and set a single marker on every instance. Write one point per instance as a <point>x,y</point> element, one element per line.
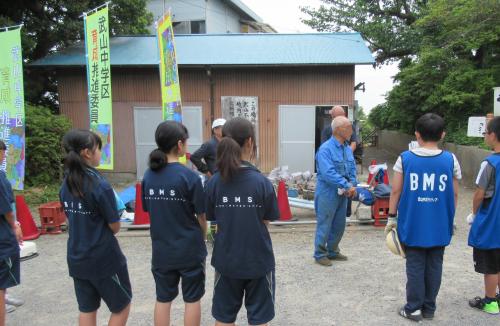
<point>173,196</point>
<point>242,201</point>
<point>95,260</point>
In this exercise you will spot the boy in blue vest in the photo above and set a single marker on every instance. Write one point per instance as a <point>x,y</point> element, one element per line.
<point>484,235</point>
<point>422,208</point>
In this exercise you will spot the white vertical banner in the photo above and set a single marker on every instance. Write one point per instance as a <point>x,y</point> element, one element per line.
<point>496,101</point>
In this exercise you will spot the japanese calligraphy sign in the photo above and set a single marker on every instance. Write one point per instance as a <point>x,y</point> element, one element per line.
<point>99,82</point>
<point>12,107</point>
<point>245,107</point>
<point>476,127</point>
<point>169,76</point>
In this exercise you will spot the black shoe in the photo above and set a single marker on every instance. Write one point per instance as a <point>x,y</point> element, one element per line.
<point>414,316</point>
<point>427,315</point>
<point>338,256</point>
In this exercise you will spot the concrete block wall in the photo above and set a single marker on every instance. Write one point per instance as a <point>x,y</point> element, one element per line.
<point>469,157</point>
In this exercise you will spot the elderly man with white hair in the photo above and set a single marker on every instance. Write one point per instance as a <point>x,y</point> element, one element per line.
<point>336,183</point>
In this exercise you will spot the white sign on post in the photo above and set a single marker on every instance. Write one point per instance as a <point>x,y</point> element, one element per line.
<point>496,101</point>
<point>476,127</point>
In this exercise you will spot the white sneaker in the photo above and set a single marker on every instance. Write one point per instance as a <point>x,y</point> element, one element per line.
<point>13,301</point>
<point>9,308</point>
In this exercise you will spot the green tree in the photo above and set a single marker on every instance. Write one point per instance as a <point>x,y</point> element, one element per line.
<point>50,25</point>
<point>387,25</point>
<point>457,66</point>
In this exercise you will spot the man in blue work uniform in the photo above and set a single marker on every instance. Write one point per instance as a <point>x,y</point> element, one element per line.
<point>336,171</point>
<point>326,133</point>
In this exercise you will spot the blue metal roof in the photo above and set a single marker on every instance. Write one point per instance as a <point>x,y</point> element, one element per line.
<point>229,50</point>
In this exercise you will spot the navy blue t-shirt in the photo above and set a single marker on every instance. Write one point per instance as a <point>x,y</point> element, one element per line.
<point>93,250</point>
<point>173,196</point>
<point>243,248</point>
<point>8,241</point>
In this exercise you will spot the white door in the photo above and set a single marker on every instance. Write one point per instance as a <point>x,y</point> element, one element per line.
<point>192,118</point>
<point>146,120</point>
<point>297,137</point>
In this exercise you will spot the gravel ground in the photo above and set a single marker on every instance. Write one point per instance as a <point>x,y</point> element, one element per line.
<point>367,289</point>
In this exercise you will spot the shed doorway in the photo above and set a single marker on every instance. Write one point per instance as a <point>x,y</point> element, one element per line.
<point>146,120</point>
<point>297,137</point>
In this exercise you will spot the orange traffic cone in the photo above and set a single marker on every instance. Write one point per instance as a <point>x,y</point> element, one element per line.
<point>283,204</point>
<point>24,217</point>
<point>140,216</point>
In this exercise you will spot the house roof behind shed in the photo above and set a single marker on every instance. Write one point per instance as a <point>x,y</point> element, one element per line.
<point>229,50</point>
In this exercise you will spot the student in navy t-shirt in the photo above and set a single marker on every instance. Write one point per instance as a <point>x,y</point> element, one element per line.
<point>424,194</point>
<point>242,201</point>
<point>173,196</point>
<point>484,235</point>
<point>95,260</point>
<point>10,236</point>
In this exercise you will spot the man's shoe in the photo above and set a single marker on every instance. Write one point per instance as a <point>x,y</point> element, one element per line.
<point>415,316</point>
<point>324,261</point>
<point>338,256</point>
<point>480,303</point>
<point>13,301</point>
<point>9,308</point>
<point>427,315</point>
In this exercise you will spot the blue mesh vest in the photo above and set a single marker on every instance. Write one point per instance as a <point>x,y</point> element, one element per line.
<point>427,205</point>
<point>485,231</point>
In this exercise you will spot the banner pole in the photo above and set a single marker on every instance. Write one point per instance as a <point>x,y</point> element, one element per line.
<point>106,4</point>
<point>12,27</point>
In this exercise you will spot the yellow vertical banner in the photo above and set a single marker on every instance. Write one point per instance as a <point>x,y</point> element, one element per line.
<point>12,117</point>
<point>169,76</point>
<point>99,81</point>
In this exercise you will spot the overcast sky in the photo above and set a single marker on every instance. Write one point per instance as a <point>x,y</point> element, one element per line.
<point>284,16</point>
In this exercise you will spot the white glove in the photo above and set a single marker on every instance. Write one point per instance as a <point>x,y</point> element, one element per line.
<point>392,223</point>
<point>470,218</point>
<point>341,191</point>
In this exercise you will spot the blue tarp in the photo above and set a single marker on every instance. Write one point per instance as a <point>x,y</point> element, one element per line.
<point>127,195</point>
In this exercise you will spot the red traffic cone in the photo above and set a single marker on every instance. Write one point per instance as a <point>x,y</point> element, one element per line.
<point>370,175</point>
<point>283,204</point>
<point>140,216</point>
<point>24,217</point>
<point>386,177</point>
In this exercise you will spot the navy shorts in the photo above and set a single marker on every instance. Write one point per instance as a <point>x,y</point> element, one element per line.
<point>167,283</point>
<point>486,261</point>
<point>10,272</point>
<point>115,290</point>
<point>258,294</point>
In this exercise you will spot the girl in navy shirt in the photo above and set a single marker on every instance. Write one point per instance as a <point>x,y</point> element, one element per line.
<point>95,260</point>
<point>242,201</point>
<point>10,236</point>
<point>173,196</point>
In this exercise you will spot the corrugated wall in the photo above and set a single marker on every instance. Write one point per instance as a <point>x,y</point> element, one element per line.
<point>136,87</point>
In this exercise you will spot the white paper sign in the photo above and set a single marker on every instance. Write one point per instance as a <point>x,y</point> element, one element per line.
<point>413,144</point>
<point>496,101</point>
<point>476,127</point>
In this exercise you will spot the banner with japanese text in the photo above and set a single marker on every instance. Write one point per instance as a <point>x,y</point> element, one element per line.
<point>169,76</point>
<point>99,82</point>
<point>12,117</point>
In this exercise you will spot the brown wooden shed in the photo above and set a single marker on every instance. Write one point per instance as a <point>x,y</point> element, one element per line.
<point>293,78</point>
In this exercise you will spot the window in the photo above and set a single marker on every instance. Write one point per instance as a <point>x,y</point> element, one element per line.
<point>190,27</point>
<point>198,27</point>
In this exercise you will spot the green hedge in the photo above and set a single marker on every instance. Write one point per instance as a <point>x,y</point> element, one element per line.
<point>44,153</point>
